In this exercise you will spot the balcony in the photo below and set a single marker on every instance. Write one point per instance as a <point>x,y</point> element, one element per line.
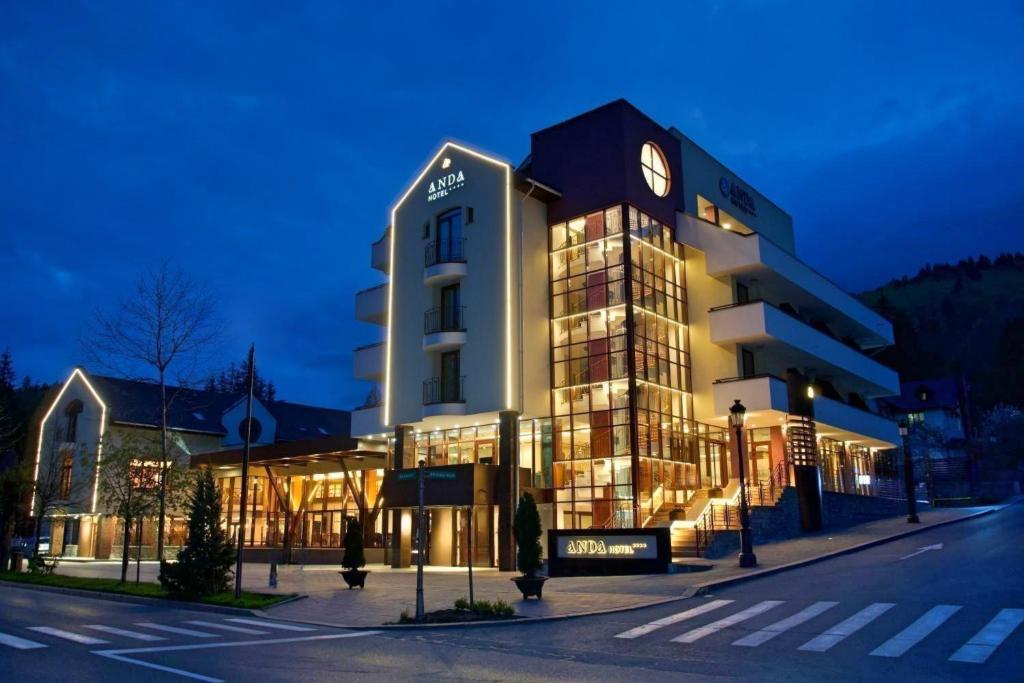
<point>444,328</point>
<point>758,393</point>
<point>766,399</point>
<point>380,253</point>
<point>368,362</point>
<point>781,276</point>
<point>444,261</point>
<point>368,421</point>
<point>790,342</point>
<point>844,422</point>
<point>372,305</point>
<point>444,396</point>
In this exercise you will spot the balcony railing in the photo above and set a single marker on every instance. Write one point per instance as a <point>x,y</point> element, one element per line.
<point>443,390</point>
<point>444,251</point>
<point>439,319</point>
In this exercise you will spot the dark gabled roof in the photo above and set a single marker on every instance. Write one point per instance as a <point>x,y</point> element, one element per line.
<point>928,394</point>
<point>137,402</point>
<point>195,410</point>
<point>296,421</point>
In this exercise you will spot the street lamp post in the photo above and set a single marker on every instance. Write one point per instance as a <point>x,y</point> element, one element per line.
<point>420,531</point>
<point>908,474</point>
<point>737,416</point>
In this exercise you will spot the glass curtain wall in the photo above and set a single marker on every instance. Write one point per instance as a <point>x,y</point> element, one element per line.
<point>668,470</point>
<point>609,470</point>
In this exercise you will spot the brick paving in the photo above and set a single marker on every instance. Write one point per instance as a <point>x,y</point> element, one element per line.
<point>390,591</point>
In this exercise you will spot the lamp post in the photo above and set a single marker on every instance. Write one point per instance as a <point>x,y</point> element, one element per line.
<point>421,546</point>
<point>737,416</point>
<point>908,474</point>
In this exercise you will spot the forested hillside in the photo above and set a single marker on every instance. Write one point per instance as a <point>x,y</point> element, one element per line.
<point>962,318</point>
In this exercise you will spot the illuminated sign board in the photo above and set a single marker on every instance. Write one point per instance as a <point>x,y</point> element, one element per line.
<point>605,552</point>
<point>445,184</point>
<point>864,480</point>
<point>601,546</point>
<point>737,196</point>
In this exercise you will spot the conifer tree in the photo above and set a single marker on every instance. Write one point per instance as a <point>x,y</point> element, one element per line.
<point>527,532</point>
<point>205,561</point>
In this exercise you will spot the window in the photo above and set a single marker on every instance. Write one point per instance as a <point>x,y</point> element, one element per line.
<point>742,293</point>
<point>67,466</point>
<point>655,169</point>
<point>426,230</point>
<point>72,412</point>
<point>915,418</point>
<point>449,236</point>
<point>257,429</point>
<point>748,362</point>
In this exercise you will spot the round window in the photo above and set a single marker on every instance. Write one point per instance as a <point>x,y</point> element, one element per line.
<point>655,168</point>
<point>257,429</point>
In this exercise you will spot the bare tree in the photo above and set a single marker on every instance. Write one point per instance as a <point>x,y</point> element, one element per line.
<point>165,326</point>
<point>128,483</point>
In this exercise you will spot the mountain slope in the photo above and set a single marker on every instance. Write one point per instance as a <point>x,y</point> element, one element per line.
<point>962,318</point>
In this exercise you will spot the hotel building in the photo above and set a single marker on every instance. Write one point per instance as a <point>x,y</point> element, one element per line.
<point>578,326</point>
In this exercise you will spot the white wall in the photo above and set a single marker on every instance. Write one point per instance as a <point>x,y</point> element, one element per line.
<point>483,289</point>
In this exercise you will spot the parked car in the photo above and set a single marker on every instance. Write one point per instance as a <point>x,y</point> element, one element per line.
<point>26,544</point>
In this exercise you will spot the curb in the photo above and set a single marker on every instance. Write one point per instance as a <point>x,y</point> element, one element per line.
<point>142,599</point>
<point>690,592</point>
<point>685,595</point>
<point>703,588</point>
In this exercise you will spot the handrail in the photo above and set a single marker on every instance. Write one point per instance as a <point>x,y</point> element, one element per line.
<point>760,375</point>
<point>797,317</point>
<point>444,251</point>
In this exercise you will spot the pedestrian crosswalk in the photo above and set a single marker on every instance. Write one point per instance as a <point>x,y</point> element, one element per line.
<point>831,624</point>
<point>146,631</point>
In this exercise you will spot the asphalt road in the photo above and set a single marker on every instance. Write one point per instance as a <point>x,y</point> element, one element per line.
<point>894,612</point>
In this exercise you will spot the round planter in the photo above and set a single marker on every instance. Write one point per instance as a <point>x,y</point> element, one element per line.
<point>354,577</point>
<point>530,585</point>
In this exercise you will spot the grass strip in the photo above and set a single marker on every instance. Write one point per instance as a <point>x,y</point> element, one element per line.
<point>148,590</point>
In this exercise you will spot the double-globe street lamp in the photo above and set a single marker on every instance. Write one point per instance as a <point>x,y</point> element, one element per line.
<point>737,416</point>
<point>908,474</point>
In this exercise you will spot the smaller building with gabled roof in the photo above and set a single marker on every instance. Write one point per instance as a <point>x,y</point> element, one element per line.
<point>87,413</point>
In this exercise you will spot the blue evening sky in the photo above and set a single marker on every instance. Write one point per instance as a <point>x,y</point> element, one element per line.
<point>258,145</point>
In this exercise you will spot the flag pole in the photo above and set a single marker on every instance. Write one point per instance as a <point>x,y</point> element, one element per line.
<point>245,472</point>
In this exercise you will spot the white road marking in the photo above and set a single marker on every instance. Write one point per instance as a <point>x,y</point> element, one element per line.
<point>673,619</point>
<point>924,549</point>
<point>19,643</point>
<point>984,643</point>
<point>135,635</point>
<point>68,635</point>
<point>178,631</point>
<point>225,627</point>
<point>769,632</point>
<point>120,655</point>
<point>714,627</point>
<point>916,632</point>
<point>271,624</point>
<point>846,628</point>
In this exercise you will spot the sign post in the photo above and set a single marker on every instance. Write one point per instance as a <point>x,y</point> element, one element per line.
<point>420,531</point>
<point>245,472</point>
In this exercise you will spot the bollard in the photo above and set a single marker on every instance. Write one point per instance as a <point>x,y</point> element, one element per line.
<point>273,574</point>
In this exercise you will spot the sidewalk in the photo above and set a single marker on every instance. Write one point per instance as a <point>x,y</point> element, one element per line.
<point>390,591</point>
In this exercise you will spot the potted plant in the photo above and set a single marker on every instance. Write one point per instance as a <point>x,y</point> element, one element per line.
<point>353,557</point>
<point>527,531</point>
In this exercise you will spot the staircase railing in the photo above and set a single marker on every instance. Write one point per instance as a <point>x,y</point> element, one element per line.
<point>725,516</point>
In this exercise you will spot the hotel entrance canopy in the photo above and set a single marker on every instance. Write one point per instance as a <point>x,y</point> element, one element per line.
<point>297,458</point>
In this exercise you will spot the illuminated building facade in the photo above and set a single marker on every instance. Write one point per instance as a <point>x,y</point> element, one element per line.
<point>578,326</point>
